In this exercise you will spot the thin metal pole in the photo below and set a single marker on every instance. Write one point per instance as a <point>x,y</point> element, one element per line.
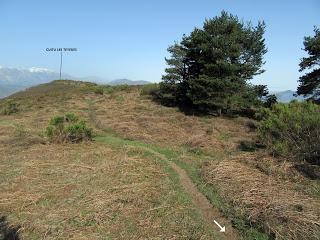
<point>60,64</point>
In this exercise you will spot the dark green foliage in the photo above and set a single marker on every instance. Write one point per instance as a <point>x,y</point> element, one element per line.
<point>8,231</point>
<point>210,68</point>
<point>8,107</point>
<point>270,101</point>
<point>292,130</point>
<point>68,128</point>
<point>309,84</point>
<point>71,117</point>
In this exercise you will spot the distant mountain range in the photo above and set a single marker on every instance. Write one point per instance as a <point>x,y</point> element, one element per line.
<point>287,96</point>
<point>127,82</point>
<point>14,79</point>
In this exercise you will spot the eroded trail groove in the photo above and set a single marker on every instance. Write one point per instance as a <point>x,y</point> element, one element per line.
<point>208,211</point>
<point>200,202</point>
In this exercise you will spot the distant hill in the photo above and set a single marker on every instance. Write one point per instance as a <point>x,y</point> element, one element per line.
<point>94,79</point>
<point>128,82</point>
<point>287,96</point>
<point>14,79</point>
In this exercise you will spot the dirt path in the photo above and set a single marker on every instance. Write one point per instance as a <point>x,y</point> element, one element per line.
<point>209,212</point>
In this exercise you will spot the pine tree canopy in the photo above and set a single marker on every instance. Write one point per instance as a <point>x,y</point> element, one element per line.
<point>210,68</point>
<point>309,84</point>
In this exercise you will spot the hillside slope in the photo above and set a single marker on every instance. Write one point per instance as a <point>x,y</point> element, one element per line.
<point>129,182</point>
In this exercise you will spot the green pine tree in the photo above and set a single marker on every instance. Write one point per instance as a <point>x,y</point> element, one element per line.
<point>309,84</point>
<point>210,68</point>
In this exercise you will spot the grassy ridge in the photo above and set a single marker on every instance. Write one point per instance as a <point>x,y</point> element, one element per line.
<point>217,153</point>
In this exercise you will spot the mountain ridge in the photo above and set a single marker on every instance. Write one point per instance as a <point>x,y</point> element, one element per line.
<point>288,95</point>
<point>18,79</point>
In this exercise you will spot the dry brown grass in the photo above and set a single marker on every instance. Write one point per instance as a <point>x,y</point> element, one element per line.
<point>91,191</point>
<point>273,203</point>
<point>71,177</point>
<point>130,115</point>
<point>140,118</point>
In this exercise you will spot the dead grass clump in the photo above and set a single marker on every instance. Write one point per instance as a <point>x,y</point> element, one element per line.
<point>196,141</point>
<point>274,205</point>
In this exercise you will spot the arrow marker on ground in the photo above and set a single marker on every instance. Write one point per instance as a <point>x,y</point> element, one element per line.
<point>222,229</point>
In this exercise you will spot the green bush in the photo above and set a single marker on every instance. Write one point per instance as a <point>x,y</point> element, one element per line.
<point>98,90</point>
<point>9,107</point>
<point>68,128</point>
<point>108,89</point>
<point>292,130</point>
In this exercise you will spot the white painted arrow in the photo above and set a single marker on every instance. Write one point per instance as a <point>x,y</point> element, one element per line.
<point>222,229</point>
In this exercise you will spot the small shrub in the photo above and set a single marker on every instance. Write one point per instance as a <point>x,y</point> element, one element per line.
<point>292,130</point>
<point>109,89</point>
<point>68,128</point>
<point>98,90</point>
<point>77,132</point>
<point>71,117</point>
<point>9,107</point>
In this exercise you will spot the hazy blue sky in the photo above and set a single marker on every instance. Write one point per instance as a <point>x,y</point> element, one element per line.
<point>128,39</point>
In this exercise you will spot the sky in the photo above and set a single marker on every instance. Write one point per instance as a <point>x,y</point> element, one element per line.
<point>129,39</point>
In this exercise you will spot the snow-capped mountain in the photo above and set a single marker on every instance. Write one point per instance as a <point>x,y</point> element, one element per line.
<point>15,79</point>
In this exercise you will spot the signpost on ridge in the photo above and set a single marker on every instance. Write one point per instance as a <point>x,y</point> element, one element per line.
<point>60,64</point>
<point>61,50</point>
